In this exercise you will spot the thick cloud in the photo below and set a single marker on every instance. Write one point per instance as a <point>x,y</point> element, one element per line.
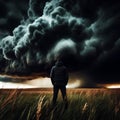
<point>11,14</point>
<point>84,33</point>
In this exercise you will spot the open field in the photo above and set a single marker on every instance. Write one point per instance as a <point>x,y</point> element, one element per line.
<point>83,104</point>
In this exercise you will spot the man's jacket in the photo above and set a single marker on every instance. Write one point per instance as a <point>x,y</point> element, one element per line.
<point>59,74</point>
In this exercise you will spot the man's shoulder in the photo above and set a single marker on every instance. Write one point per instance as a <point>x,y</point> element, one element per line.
<point>59,67</point>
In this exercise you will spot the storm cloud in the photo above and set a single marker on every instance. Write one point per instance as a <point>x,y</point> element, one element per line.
<point>84,33</point>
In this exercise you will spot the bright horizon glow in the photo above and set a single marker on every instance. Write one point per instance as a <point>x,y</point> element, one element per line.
<point>35,81</point>
<point>113,86</point>
<point>8,85</point>
<point>41,82</point>
<point>75,84</point>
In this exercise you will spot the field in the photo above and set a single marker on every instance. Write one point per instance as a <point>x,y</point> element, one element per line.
<point>84,104</point>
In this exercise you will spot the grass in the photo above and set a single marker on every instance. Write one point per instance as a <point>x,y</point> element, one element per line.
<point>84,104</point>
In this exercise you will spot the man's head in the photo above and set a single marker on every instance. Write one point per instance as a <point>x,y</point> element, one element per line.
<point>59,63</point>
<point>59,58</point>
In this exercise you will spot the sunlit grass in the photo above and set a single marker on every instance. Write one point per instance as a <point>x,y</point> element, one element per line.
<point>83,105</point>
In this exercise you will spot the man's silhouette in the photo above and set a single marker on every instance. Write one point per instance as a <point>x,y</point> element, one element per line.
<point>59,79</point>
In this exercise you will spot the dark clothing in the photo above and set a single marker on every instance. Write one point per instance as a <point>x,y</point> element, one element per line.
<point>63,91</point>
<point>59,79</point>
<point>59,74</point>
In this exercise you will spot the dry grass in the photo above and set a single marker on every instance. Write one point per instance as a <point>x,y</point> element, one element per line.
<point>39,107</point>
<point>84,104</point>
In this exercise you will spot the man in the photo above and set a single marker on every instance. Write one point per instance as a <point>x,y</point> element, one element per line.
<point>59,79</point>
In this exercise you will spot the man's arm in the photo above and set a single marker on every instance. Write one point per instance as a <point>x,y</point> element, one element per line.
<point>66,75</point>
<point>52,75</point>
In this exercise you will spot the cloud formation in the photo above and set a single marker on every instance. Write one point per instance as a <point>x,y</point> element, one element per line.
<point>85,33</point>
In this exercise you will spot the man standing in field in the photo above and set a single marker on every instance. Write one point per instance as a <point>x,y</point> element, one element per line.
<point>59,79</point>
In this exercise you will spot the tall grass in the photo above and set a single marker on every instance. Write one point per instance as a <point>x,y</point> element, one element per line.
<point>82,105</point>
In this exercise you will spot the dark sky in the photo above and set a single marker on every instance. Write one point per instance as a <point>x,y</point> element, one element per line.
<point>84,33</point>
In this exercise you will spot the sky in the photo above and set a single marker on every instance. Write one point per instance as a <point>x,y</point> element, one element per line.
<point>84,33</point>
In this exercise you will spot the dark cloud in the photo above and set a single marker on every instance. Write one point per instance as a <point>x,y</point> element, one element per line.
<point>85,33</point>
<point>11,13</point>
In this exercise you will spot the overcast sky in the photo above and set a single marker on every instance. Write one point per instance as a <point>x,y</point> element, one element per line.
<point>85,33</point>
